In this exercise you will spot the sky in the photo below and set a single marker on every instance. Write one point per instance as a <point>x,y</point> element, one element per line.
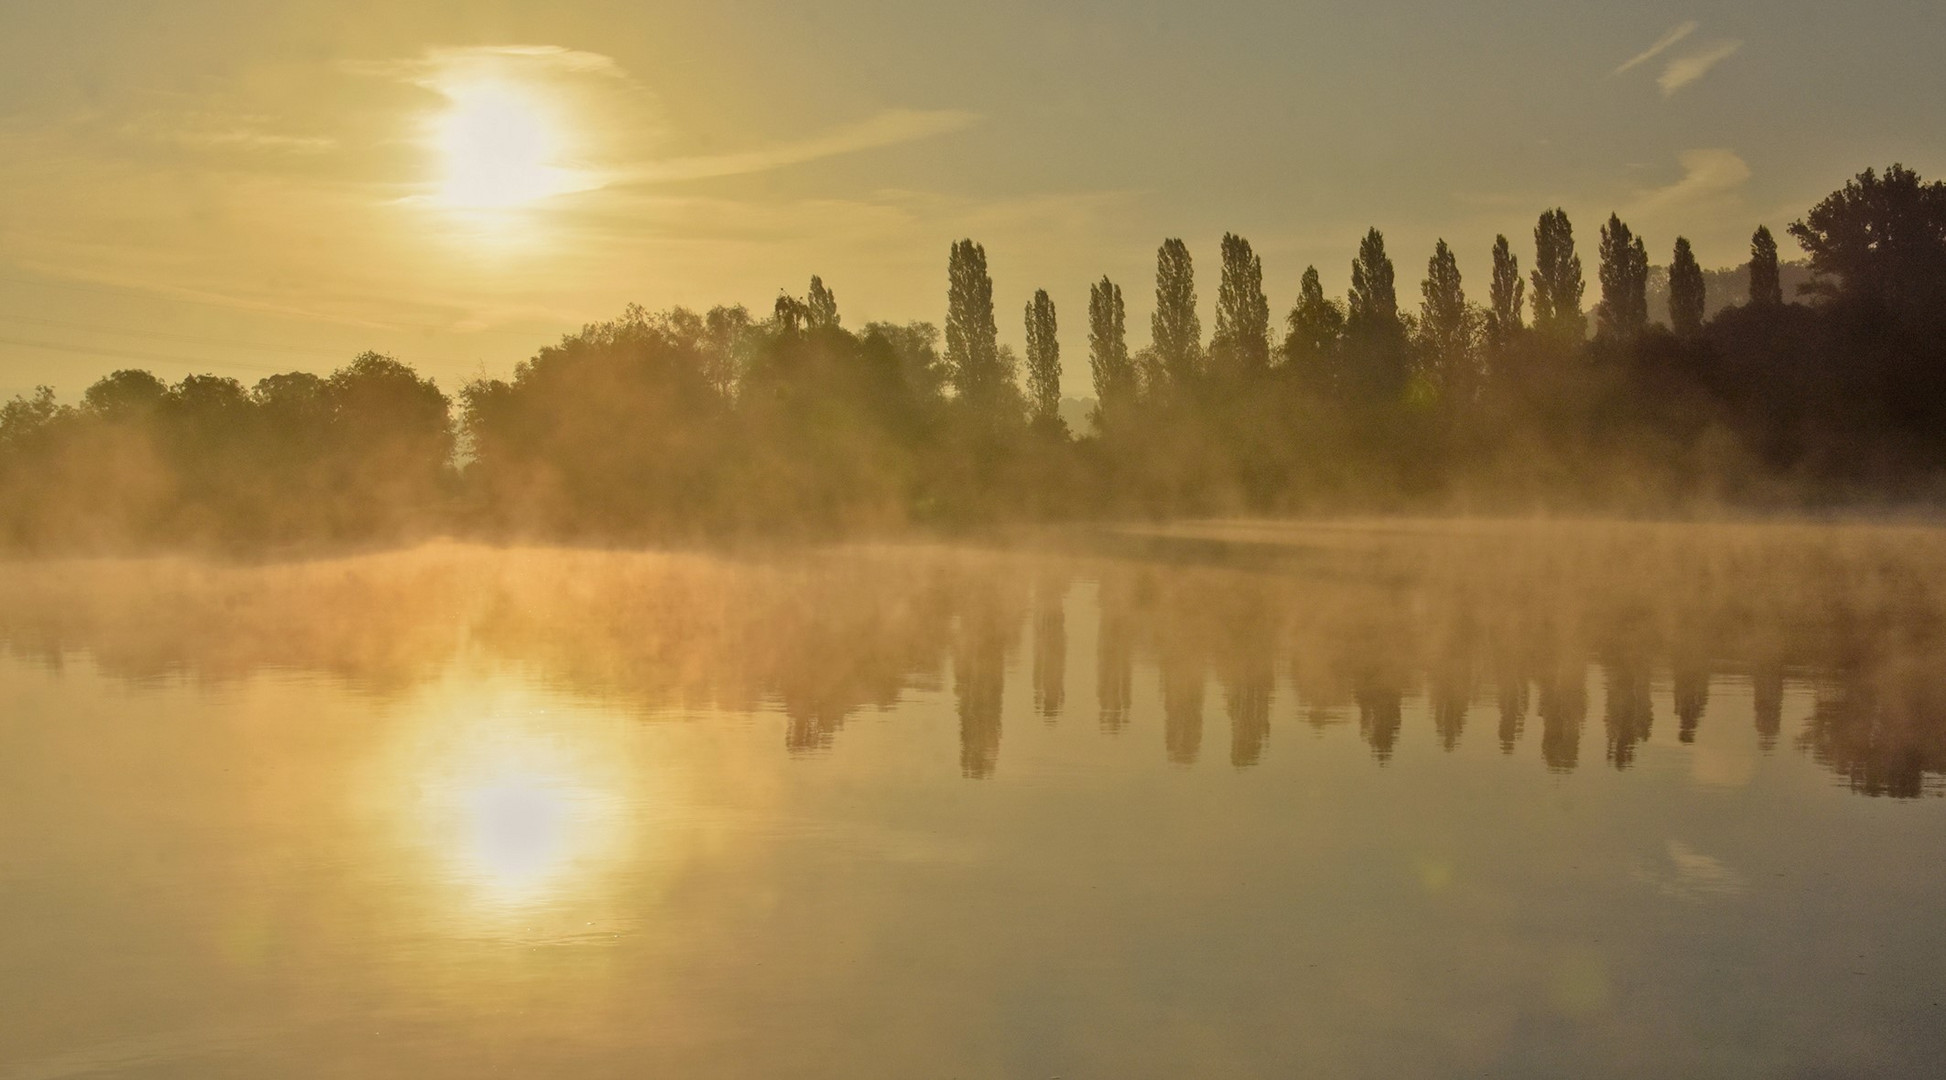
<point>248,186</point>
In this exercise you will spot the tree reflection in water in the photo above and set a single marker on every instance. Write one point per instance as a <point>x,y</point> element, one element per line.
<point>1372,622</point>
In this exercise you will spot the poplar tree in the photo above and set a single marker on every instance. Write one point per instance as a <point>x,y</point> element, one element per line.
<point>821,306</point>
<point>1444,319</point>
<point>1557,280</point>
<point>1376,351</point>
<point>1175,330</point>
<point>1242,337</point>
<point>1043,360</point>
<point>973,357</point>
<point>1687,296</point>
<point>1108,360</point>
<point>1507,293</point>
<point>1766,287</point>
<point>1374,299</point>
<point>1624,307</point>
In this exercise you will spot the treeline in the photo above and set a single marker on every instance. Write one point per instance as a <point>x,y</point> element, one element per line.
<point>681,424</point>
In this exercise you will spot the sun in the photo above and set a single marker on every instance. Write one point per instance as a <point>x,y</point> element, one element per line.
<point>501,147</point>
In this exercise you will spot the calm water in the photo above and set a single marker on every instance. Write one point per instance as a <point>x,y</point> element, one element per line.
<point>1229,801</point>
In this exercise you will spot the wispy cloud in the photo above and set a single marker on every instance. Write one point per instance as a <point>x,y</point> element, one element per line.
<point>216,131</point>
<point>1687,69</point>
<point>439,65</point>
<point>1706,173</point>
<point>1663,44</point>
<point>888,128</point>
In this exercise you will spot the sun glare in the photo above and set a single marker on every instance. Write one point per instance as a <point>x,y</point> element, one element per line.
<point>501,147</point>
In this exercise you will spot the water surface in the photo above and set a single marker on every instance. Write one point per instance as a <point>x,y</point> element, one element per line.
<point>1240,800</point>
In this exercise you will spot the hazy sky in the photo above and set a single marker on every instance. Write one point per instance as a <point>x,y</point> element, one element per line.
<point>242,186</point>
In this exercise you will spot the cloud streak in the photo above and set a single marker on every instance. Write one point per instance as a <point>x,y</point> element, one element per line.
<point>1662,45</point>
<point>1706,173</point>
<point>888,128</point>
<point>1687,69</point>
<point>440,65</point>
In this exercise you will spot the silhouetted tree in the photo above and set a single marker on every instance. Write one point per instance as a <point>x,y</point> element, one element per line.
<point>1241,342</point>
<point>1686,291</point>
<point>1446,324</point>
<point>1316,325</point>
<point>1043,361</point>
<point>1766,290</point>
<point>1507,294</point>
<point>973,355</point>
<point>1108,360</point>
<point>726,329</point>
<point>1374,302</point>
<point>1557,280</point>
<point>1879,236</point>
<point>821,306</point>
<point>1624,308</point>
<point>1175,328</point>
<point>1374,332</point>
<point>125,394</point>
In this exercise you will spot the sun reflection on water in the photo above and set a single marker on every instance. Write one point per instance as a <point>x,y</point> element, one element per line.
<point>519,808</point>
<point>520,833</point>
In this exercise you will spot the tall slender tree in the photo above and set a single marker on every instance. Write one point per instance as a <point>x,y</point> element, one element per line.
<point>1558,284</point>
<point>1043,360</point>
<point>1688,300</point>
<point>1108,359</point>
<point>821,306</point>
<point>1374,294</point>
<point>1377,354</point>
<point>1445,323</point>
<point>1766,284</point>
<point>1175,329</point>
<point>973,356</point>
<point>1241,342</point>
<point>1624,308</point>
<point>1507,293</point>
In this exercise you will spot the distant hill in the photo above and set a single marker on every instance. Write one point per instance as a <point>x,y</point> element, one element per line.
<point>1721,288</point>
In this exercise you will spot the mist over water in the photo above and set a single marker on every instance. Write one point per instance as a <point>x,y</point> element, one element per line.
<point>1230,799</point>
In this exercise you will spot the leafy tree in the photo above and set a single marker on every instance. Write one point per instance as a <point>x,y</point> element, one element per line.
<point>1043,360</point>
<point>916,347</point>
<point>789,313</point>
<point>726,331</point>
<point>973,353</point>
<point>1108,359</point>
<point>1624,308</point>
<point>821,306</point>
<point>125,395</point>
<point>25,420</point>
<point>1558,284</point>
<point>1686,291</point>
<point>1766,288</point>
<point>1880,236</point>
<point>1316,325</point>
<point>1507,293</point>
<point>1175,329</point>
<point>1242,339</point>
